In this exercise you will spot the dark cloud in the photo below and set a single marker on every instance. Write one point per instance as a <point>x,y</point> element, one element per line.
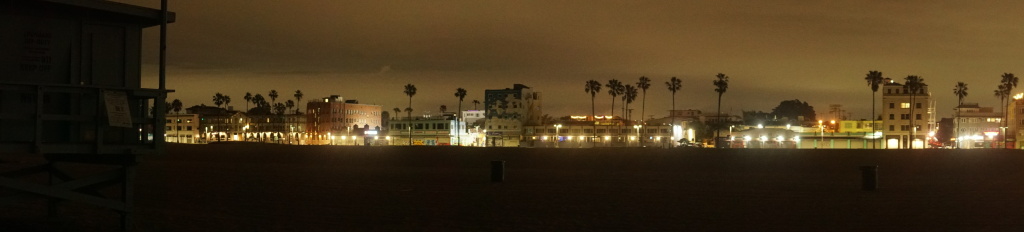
<point>774,50</point>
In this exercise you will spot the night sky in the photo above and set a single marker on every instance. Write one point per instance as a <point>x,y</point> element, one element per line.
<point>815,51</point>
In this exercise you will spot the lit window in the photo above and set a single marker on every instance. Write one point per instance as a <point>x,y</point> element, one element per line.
<point>905,105</point>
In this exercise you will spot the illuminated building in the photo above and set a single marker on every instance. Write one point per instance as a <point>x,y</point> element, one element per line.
<point>508,110</point>
<point>334,117</point>
<point>896,116</point>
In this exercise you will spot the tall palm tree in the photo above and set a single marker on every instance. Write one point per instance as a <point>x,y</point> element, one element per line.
<point>461,94</point>
<point>248,98</point>
<point>176,107</point>
<point>874,79</point>
<point>960,91</point>
<point>273,96</point>
<point>298,100</point>
<point>397,111</point>
<point>291,104</point>
<point>593,87</point>
<point>227,100</point>
<point>674,85</point>
<point>721,85</point>
<point>629,96</point>
<point>643,84</point>
<point>1010,81</point>
<point>218,99</point>
<point>475,102</point>
<point>410,90</point>
<point>613,89</point>
<point>914,84</point>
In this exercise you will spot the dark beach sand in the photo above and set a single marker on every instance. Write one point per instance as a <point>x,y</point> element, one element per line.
<point>259,187</point>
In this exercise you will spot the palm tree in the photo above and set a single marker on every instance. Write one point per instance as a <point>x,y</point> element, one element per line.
<point>629,96</point>
<point>248,98</point>
<point>960,91</point>
<point>593,87</point>
<point>397,111</point>
<point>176,107</point>
<point>227,100</point>
<point>643,84</point>
<point>218,99</point>
<point>461,94</point>
<point>410,90</point>
<point>613,89</point>
<point>298,100</point>
<point>475,102</point>
<point>721,85</point>
<point>291,104</point>
<point>674,84</point>
<point>443,109</point>
<point>1010,81</point>
<point>273,96</point>
<point>874,79</point>
<point>914,84</point>
<point>280,108</point>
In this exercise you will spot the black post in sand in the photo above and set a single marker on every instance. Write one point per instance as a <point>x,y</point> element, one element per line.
<point>869,177</point>
<point>497,171</point>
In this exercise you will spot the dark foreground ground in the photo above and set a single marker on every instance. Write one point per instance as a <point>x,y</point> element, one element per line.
<point>247,187</point>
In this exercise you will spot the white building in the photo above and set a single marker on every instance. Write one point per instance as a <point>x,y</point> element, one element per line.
<point>977,127</point>
<point>508,110</point>
<point>898,110</point>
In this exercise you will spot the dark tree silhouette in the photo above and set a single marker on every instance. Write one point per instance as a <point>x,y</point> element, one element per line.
<point>874,79</point>
<point>721,85</point>
<point>397,111</point>
<point>960,91</point>
<point>593,87</point>
<point>475,102</point>
<point>674,84</point>
<point>629,96</point>
<point>914,84</point>
<point>643,84</point>
<point>613,89</point>
<point>291,104</point>
<point>410,90</point>
<point>227,100</point>
<point>461,94</point>
<point>176,107</point>
<point>218,99</point>
<point>1009,81</point>
<point>248,99</point>
<point>273,96</point>
<point>298,100</point>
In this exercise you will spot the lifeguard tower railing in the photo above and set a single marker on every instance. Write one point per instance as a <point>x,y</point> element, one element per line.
<point>108,127</point>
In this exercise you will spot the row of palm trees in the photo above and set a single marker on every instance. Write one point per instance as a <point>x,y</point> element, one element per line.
<point>915,85</point>
<point>629,94</point>
<point>260,102</point>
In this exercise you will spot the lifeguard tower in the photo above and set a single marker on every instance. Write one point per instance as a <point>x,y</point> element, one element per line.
<point>71,92</point>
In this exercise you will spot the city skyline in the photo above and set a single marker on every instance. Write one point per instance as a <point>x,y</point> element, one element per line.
<point>772,51</point>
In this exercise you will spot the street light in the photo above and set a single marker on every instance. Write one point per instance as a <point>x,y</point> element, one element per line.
<point>557,127</point>
<point>821,125</point>
<point>637,127</point>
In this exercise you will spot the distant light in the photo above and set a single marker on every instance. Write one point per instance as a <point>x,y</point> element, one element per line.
<point>746,138</point>
<point>760,125</point>
<point>781,138</point>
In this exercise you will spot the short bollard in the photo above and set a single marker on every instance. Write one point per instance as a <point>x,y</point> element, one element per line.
<point>498,171</point>
<point>869,177</point>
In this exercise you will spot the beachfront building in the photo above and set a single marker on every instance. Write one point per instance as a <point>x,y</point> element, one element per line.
<point>182,128</point>
<point>1015,122</point>
<point>977,126</point>
<point>507,111</point>
<point>896,116</point>
<point>585,134</point>
<point>219,124</point>
<point>330,118</point>
<point>426,130</point>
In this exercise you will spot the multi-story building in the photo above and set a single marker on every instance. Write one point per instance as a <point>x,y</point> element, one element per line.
<point>1015,122</point>
<point>331,117</point>
<point>900,107</point>
<point>508,110</point>
<point>182,128</point>
<point>977,127</point>
<point>219,124</point>
<point>427,130</point>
